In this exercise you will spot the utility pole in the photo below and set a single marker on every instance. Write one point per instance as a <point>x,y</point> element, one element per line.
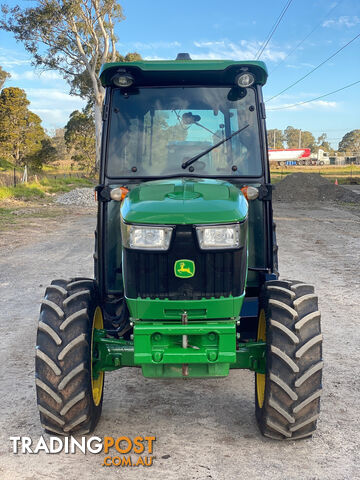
<point>300,138</point>
<point>274,140</point>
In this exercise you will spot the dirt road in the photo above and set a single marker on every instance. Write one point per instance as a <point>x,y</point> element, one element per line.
<point>205,429</point>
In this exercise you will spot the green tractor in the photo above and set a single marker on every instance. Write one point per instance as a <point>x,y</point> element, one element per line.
<point>186,282</point>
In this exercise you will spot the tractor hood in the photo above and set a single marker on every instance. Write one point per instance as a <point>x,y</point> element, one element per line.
<point>184,201</point>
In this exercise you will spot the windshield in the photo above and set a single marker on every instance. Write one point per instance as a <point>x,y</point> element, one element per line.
<point>154,131</point>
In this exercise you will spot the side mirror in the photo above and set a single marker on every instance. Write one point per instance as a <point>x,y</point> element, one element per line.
<point>236,93</point>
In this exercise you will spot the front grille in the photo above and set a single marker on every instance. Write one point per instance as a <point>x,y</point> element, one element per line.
<point>151,274</point>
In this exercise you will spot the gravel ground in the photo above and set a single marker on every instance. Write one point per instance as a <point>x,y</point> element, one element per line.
<point>205,429</point>
<point>83,197</point>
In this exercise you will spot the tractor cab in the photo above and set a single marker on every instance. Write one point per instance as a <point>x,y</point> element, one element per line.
<point>186,139</point>
<point>188,126</point>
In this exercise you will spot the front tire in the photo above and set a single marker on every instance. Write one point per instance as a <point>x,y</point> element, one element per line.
<point>69,398</point>
<point>288,396</point>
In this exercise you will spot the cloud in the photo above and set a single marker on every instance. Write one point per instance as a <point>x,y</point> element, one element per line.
<point>35,75</point>
<point>242,50</point>
<point>7,62</point>
<point>344,21</point>
<point>10,58</point>
<point>300,65</point>
<point>316,104</point>
<point>44,96</point>
<point>53,118</point>
<point>53,106</point>
<point>300,96</point>
<point>154,57</point>
<point>153,45</point>
<point>209,44</point>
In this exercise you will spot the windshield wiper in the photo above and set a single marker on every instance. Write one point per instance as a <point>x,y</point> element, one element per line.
<point>205,152</point>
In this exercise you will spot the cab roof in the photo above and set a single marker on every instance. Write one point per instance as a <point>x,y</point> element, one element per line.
<point>184,72</point>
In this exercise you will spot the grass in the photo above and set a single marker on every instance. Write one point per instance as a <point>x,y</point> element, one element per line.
<point>22,192</point>
<point>55,185</point>
<point>6,166</point>
<point>6,216</point>
<point>345,174</point>
<point>326,170</point>
<point>38,190</point>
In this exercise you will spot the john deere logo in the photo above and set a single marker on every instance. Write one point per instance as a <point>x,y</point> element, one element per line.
<point>184,268</point>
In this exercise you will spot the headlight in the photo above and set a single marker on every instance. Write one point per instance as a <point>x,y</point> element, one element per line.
<point>245,79</point>
<point>142,237</point>
<point>222,236</point>
<point>123,79</point>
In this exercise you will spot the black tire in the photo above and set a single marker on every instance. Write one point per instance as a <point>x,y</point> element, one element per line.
<point>291,400</point>
<point>63,358</point>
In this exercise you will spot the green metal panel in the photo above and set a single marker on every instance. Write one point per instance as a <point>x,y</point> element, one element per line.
<point>212,350</point>
<point>195,370</point>
<point>207,308</point>
<point>184,201</point>
<point>251,355</point>
<point>161,344</point>
<point>113,248</point>
<point>256,239</point>
<point>213,69</point>
<point>111,353</point>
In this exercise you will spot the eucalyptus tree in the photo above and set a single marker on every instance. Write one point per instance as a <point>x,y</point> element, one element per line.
<point>350,143</point>
<point>73,37</point>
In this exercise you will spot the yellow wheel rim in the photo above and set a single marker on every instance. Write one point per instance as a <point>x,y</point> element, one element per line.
<point>260,377</point>
<point>96,383</point>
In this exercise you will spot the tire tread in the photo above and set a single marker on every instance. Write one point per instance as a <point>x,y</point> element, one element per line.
<point>294,361</point>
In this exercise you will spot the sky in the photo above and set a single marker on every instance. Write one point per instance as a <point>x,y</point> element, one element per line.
<point>235,30</point>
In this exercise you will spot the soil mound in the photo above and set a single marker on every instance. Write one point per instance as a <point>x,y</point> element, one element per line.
<point>311,187</point>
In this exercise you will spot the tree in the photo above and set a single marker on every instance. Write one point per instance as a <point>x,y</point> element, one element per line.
<point>350,142</point>
<point>72,36</point>
<point>21,132</point>
<point>43,156</point>
<point>163,134</point>
<point>58,142</point>
<point>296,138</point>
<point>324,144</point>
<point>3,76</point>
<point>275,138</point>
<point>80,139</point>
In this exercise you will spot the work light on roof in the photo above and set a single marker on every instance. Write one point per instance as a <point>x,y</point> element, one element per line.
<point>123,79</point>
<point>245,79</point>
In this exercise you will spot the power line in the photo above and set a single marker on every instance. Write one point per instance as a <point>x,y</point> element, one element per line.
<point>272,31</point>
<point>314,99</point>
<point>307,36</point>
<point>315,68</point>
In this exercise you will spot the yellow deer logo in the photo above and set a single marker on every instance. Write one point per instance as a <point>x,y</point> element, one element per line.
<point>184,268</point>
